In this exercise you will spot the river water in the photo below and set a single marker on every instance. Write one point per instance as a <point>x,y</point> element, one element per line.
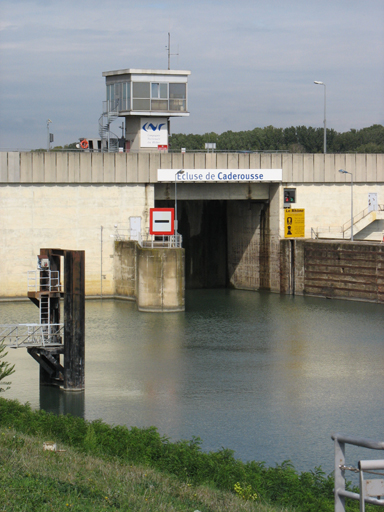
<point>268,376</point>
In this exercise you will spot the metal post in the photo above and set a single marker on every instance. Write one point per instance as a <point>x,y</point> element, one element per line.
<point>169,50</point>
<point>346,172</point>
<point>101,262</point>
<point>351,207</point>
<point>178,173</point>
<point>339,475</point>
<point>74,320</point>
<point>325,113</point>
<point>176,205</point>
<point>48,137</point>
<point>325,119</point>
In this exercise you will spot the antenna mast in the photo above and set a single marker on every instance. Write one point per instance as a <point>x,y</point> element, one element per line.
<point>169,50</point>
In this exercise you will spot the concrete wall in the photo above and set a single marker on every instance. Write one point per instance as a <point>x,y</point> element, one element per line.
<point>153,277</point>
<point>67,167</point>
<point>125,269</point>
<point>345,270</point>
<point>66,217</point>
<point>328,206</point>
<point>321,190</point>
<point>248,245</point>
<point>63,199</point>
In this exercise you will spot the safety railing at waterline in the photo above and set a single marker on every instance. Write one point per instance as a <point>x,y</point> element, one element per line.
<point>371,491</point>
<point>47,280</point>
<point>148,240</point>
<point>31,335</point>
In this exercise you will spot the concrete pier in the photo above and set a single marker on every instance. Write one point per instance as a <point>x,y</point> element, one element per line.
<point>154,277</point>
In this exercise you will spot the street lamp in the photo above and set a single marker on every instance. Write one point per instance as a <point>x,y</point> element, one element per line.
<point>346,172</point>
<point>48,137</point>
<point>325,114</point>
<point>179,173</point>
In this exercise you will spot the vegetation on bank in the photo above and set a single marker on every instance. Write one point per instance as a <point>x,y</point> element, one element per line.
<point>6,369</point>
<point>299,139</point>
<point>33,480</point>
<point>182,464</point>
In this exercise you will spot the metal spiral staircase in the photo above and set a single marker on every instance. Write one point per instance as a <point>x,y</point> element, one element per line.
<point>109,140</point>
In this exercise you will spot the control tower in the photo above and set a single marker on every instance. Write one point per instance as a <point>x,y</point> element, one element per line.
<point>147,99</point>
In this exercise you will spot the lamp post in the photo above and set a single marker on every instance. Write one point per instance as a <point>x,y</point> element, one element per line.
<point>48,137</point>
<point>178,173</point>
<point>325,114</point>
<point>346,172</point>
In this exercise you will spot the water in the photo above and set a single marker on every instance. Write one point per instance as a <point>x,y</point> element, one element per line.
<point>269,376</point>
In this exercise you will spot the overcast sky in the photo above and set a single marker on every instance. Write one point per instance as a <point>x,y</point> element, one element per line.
<point>253,63</point>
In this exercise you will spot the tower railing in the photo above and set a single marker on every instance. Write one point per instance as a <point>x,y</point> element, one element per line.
<point>47,280</point>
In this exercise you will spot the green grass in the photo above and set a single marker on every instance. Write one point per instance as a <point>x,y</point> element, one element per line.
<point>134,469</point>
<point>32,479</point>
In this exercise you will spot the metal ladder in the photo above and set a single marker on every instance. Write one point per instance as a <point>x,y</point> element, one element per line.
<point>44,309</point>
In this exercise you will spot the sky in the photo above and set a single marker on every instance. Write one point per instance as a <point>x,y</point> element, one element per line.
<point>253,63</point>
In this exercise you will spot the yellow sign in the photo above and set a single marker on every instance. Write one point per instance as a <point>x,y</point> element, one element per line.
<point>294,223</point>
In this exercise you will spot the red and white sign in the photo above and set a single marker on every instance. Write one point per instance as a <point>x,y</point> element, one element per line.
<point>161,221</point>
<point>162,147</point>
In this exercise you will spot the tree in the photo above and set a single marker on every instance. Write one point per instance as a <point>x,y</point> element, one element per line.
<point>5,368</point>
<point>300,139</point>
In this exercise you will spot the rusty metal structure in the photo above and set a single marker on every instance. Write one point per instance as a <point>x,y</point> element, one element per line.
<point>59,348</point>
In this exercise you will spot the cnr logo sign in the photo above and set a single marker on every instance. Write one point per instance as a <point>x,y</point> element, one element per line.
<point>147,127</point>
<point>153,132</point>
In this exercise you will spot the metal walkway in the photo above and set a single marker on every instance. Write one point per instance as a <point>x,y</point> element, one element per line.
<point>43,285</point>
<point>32,335</point>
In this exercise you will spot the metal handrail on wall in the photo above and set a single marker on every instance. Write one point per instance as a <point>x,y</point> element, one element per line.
<point>366,495</point>
<point>147,240</point>
<point>361,215</point>
<point>347,225</point>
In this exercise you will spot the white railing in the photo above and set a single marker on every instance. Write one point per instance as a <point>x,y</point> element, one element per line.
<point>370,490</point>
<point>361,215</point>
<point>47,280</point>
<point>147,240</point>
<point>342,230</point>
<point>31,335</point>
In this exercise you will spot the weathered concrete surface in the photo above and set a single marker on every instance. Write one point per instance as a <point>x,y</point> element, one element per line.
<point>74,167</point>
<point>125,269</point>
<point>248,251</point>
<point>39,215</point>
<point>153,277</point>
<point>345,270</point>
<point>63,199</point>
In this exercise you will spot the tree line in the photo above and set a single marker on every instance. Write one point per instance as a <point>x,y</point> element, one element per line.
<point>300,139</point>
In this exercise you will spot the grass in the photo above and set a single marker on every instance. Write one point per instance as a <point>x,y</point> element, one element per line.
<point>32,479</point>
<point>108,467</point>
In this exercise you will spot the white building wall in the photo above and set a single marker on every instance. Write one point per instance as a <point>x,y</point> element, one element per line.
<point>65,217</point>
<point>328,205</point>
<point>62,199</point>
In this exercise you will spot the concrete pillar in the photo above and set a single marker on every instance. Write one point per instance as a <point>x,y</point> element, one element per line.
<point>161,286</point>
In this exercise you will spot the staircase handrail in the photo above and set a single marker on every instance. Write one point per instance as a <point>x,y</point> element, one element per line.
<point>111,107</point>
<point>361,215</point>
